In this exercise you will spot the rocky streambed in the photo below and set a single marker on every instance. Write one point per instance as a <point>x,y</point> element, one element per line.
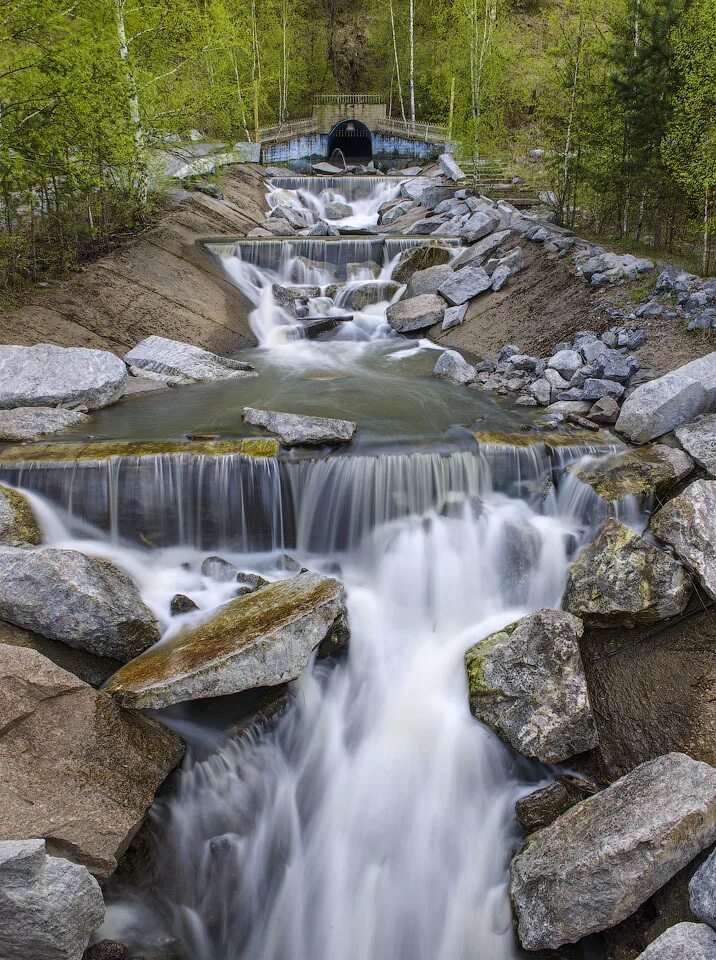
<point>427,634</point>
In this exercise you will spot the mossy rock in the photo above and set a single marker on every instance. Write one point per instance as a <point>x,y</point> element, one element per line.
<point>420,258</point>
<point>106,449</point>
<point>552,439</point>
<point>647,471</point>
<point>18,523</point>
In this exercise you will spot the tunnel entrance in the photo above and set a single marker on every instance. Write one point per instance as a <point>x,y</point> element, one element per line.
<point>353,139</point>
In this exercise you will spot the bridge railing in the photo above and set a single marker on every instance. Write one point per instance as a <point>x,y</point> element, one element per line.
<point>285,131</point>
<point>430,132</point>
<point>349,98</point>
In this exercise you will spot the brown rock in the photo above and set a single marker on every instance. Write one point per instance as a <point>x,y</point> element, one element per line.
<point>75,768</point>
<point>93,670</point>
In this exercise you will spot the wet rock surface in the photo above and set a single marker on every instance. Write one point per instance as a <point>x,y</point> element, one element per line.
<point>648,471</point>
<point>605,856</point>
<point>86,602</point>
<point>698,438</point>
<point>294,429</point>
<point>18,523</point>
<point>527,683</point>
<point>172,358</point>
<point>263,638</point>
<point>46,375</point>
<point>417,313</point>
<point>28,423</point>
<point>622,579</point>
<point>688,525</point>
<point>49,907</point>
<point>74,767</point>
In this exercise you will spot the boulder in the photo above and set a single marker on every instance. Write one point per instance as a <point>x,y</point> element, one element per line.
<point>604,857</point>
<point>49,907</point>
<point>527,683</point>
<point>566,363</point>
<point>171,358</point>
<point>622,579</point>
<point>93,670</point>
<point>660,405</point>
<point>18,524</point>
<point>397,211</point>
<point>434,195</point>
<point>450,167</point>
<point>420,258</point>
<point>424,227</point>
<point>292,216</point>
<point>452,366</point>
<point>85,602</point>
<point>699,439</point>
<point>260,639</point>
<point>683,941</point>
<point>702,892</point>
<point>454,316</point>
<point>541,390</point>
<point>358,296</point>
<point>479,225</point>
<point>604,411</point>
<point>594,388</point>
<point>295,429</point>
<point>465,284</point>
<point>216,568</point>
<point>181,604</point>
<point>45,375</point>
<point>428,280</point>
<point>650,471</point>
<point>479,251</point>
<point>74,767</point>
<point>542,806</point>
<point>417,313</point>
<point>412,189</point>
<point>335,210</point>
<point>27,423</point>
<point>688,524</point>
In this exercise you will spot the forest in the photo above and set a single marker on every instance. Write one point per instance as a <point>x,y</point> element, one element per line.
<point>618,98</point>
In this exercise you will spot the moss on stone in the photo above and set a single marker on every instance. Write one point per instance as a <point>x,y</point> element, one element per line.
<point>529,438</point>
<point>24,528</point>
<point>475,660</point>
<point>106,449</point>
<point>633,473</point>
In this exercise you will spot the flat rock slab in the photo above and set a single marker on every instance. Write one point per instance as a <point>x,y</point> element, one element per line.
<point>417,313</point>
<point>74,767</point>
<point>465,284</point>
<point>172,358</point>
<point>527,683</point>
<point>45,375</point>
<point>620,579</point>
<point>684,941</point>
<point>699,439</point>
<point>18,523</point>
<point>295,429</point>
<point>604,857</point>
<point>49,907</point>
<point>661,405</point>
<point>648,471</point>
<point>28,423</point>
<point>98,451</point>
<point>260,639</point>
<point>85,602</point>
<point>688,524</point>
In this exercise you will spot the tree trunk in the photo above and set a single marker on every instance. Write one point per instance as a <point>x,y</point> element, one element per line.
<point>133,102</point>
<point>707,233</point>
<point>397,62</point>
<point>412,62</point>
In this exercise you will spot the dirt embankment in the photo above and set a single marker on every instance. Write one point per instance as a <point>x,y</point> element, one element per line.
<point>162,283</point>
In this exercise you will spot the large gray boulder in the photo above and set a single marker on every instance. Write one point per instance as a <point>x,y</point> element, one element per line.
<point>452,366</point>
<point>420,258</point>
<point>660,405</point>
<point>49,907</point>
<point>46,375</point>
<point>417,313</point>
<point>18,523</point>
<point>75,768</point>
<point>604,857</point>
<point>358,296</point>
<point>174,359</point>
<point>699,439</point>
<point>642,472</point>
<point>397,211</point>
<point>481,250</point>
<point>27,423</point>
<point>260,639</point>
<point>527,683</point>
<point>412,189</point>
<point>336,210</point>
<point>683,941</point>
<point>465,284</point>
<point>427,281</point>
<point>296,429</point>
<point>688,524</point>
<point>479,225</point>
<point>450,167</point>
<point>566,363</point>
<point>620,579</point>
<point>86,602</point>
<point>702,892</point>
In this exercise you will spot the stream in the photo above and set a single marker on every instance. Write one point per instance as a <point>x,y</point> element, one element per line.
<point>374,820</point>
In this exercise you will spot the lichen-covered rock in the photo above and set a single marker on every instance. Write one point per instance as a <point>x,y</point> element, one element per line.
<point>74,767</point>
<point>358,296</point>
<point>454,367</point>
<point>46,375</point>
<point>702,892</point>
<point>417,313</point>
<point>683,941</point>
<point>18,524</point>
<point>86,602</point>
<point>28,423</point>
<point>648,471</point>
<point>465,284</point>
<point>527,683</point>
<point>420,258</point>
<point>296,429</point>
<point>660,405</point>
<point>49,907</point>
<point>260,639</point>
<point>172,358</point>
<point>688,524</point>
<point>699,439</point>
<point>604,857</point>
<point>100,450</point>
<point>620,579</point>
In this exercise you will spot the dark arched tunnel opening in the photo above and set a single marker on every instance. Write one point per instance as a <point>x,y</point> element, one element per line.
<point>353,139</point>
